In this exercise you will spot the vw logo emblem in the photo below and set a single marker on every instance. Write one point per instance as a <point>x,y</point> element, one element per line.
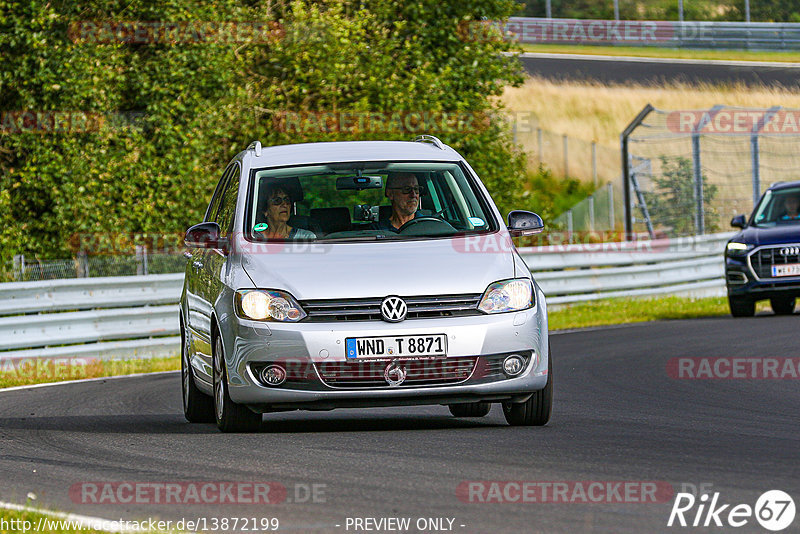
<point>790,251</point>
<point>393,309</point>
<point>395,374</point>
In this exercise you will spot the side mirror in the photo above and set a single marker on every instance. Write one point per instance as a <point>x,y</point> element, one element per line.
<point>524,223</point>
<point>205,235</point>
<point>739,221</point>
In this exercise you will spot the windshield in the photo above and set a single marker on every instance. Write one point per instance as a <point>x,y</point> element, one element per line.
<point>364,201</point>
<point>778,207</point>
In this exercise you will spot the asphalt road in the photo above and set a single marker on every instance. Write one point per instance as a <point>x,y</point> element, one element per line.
<point>618,417</point>
<point>621,70</point>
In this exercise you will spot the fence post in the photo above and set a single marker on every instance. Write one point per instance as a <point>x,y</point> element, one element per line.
<point>83,264</point>
<point>594,163</point>
<point>611,225</point>
<point>699,216</point>
<point>539,140</point>
<point>141,259</point>
<point>19,267</point>
<point>566,156</point>
<point>591,213</point>
<point>569,225</point>
<point>755,151</point>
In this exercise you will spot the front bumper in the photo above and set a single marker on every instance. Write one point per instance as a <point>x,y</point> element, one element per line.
<point>741,282</point>
<point>307,344</point>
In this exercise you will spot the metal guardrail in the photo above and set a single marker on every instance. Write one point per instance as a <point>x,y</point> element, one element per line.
<point>137,316</point>
<point>671,34</point>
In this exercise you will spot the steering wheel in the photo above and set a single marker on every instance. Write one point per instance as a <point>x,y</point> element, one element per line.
<point>420,220</point>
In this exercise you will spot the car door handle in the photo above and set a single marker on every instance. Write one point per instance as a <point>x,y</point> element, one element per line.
<point>197,265</point>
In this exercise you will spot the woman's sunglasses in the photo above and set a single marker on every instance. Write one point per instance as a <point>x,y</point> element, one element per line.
<point>277,201</point>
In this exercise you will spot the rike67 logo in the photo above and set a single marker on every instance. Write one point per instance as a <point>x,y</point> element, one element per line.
<point>774,510</point>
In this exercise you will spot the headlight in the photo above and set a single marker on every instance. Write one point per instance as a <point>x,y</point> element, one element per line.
<point>268,305</point>
<point>737,249</point>
<point>506,296</point>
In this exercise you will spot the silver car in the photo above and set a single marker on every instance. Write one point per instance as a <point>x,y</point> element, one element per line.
<point>359,274</point>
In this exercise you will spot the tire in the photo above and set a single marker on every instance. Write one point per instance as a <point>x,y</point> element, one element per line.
<point>197,406</point>
<point>471,409</point>
<point>741,307</point>
<point>782,306</point>
<point>536,410</point>
<point>230,417</point>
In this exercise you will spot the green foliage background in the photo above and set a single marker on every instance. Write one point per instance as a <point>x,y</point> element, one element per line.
<point>198,104</point>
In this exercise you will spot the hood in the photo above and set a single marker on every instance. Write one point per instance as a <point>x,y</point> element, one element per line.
<point>312,271</point>
<point>788,233</point>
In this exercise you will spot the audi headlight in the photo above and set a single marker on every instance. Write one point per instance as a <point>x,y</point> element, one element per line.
<point>506,296</point>
<point>268,305</point>
<point>735,248</point>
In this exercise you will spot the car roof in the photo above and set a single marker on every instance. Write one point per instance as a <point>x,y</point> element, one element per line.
<point>342,151</point>
<point>784,185</point>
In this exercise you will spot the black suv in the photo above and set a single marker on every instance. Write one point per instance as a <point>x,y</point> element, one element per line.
<point>763,260</point>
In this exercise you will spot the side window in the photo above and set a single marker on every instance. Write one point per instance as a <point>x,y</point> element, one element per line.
<point>227,208</point>
<point>214,204</point>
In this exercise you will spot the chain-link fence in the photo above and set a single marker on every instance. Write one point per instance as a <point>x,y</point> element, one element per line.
<point>30,269</point>
<point>690,171</point>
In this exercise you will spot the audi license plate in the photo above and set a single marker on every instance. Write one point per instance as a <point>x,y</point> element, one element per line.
<point>430,346</point>
<point>791,269</point>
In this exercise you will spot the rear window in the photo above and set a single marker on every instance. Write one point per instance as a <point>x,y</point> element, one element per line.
<point>365,201</point>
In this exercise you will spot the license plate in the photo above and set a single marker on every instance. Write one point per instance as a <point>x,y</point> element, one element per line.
<point>396,346</point>
<point>792,269</point>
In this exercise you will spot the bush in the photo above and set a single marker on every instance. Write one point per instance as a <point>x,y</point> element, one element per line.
<point>196,105</point>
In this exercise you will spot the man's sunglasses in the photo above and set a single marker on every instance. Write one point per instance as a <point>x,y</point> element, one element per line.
<point>277,201</point>
<point>406,190</point>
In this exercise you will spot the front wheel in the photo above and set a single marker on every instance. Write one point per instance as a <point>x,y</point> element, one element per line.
<point>197,406</point>
<point>741,306</point>
<point>782,306</point>
<point>470,409</point>
<point>230,417</point>
<point>536,410</point>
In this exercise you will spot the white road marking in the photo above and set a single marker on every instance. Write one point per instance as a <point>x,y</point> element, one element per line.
<point>78,381</point>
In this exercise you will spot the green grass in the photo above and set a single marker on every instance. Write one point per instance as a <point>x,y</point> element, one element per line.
<point>647,51</point>
<point>637,310</point>
<point>39,371</point>
<point>58,523</point>
<point>634,310</point>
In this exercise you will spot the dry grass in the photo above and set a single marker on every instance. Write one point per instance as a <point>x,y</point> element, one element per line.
<point>596,112</point>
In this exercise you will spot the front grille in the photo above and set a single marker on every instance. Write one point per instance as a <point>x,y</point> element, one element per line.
<point>369,374</point>
<point>763,259</point>
<point>369,309</point>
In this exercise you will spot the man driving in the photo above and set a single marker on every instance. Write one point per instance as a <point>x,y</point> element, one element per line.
<point>792,206</point>
<point>403,191</point>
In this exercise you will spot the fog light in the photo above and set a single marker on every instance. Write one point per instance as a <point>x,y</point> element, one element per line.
<point>513,365</point>
<point>273,375</point>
